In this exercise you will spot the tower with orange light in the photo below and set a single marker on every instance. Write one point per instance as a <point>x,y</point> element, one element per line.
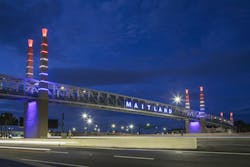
<point>231,117</point>
<point>30,60</point>
<point>36,115</point>
<point>43,68</point>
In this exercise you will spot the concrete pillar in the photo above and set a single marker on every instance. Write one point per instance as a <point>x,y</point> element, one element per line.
<point>187,125</point>
<point>198,126</point>
<point>36,119</point>
<point>203,125</point>
<point>194,127</point>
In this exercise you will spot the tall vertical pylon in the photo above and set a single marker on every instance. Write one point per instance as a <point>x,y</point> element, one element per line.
<point>43,74</point>
<point>187,109</point>
<point>30,60</point>
<point>187,100</point>
<point>231,117</point>
<point>36,115</point>
<point>202,102</point>
<point>43,99</point>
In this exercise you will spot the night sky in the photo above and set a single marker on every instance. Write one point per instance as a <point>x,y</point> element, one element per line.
<point>151,49</point>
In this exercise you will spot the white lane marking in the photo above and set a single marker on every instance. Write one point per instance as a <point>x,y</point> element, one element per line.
<point>176,151</point>
<point>53,163</point>
<point>58,152</point>
<point>128,149</point>
<point>132,157</point>
<point>25,148</point>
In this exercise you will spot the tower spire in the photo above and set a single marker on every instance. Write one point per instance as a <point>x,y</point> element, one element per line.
<point>187,100</point>
<point>43,74</point>
<point>30,60</point>
<point>231,117</point>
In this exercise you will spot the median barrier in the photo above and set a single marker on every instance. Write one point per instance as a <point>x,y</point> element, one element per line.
<point>137,142</point>
<point>114,142</point>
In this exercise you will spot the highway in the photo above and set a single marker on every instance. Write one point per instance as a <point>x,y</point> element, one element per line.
<point>211,152</point>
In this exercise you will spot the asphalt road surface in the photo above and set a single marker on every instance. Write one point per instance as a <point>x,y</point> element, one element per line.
<point>226,144</point>
<point>211,152</point>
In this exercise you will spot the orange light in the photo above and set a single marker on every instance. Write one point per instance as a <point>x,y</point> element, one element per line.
<point>201,88</point>
<point>186,91</point>
<point>44,32</point>
<point>30,42</point>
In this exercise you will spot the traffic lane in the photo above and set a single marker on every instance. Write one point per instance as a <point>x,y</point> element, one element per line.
<point>205,144</point>
<point>224,144</point>
<point>101,157</point>
<point>8,162</point>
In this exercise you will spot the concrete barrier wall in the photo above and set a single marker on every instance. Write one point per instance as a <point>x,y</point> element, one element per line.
<point>137,142</point>
<point>114,142</point>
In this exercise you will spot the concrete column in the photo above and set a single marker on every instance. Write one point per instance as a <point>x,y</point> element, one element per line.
<point>36,119</point>
<point>194,126</point>
<point>187,125</point>
<point>203,125</point>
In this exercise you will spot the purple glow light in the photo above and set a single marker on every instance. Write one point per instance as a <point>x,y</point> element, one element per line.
<point>31,123</point>
<point>195,127</point>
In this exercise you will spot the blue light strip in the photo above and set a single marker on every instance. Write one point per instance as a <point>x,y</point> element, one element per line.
<point>43,89</point>
<point>43,73</point>
<point>44,81</point>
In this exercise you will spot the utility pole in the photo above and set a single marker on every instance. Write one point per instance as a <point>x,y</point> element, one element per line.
<point>63,122</point>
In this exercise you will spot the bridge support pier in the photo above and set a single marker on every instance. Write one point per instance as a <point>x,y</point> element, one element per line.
<point>187,126</point>
<point>203,126</point>
<point>195,126</point>
<point>36,119</point>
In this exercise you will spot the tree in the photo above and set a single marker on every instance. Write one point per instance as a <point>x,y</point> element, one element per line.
<point>241,126</point>
<point>7,119</point>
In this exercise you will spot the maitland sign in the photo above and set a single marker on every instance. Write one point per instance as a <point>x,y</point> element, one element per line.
<point>147,107</point>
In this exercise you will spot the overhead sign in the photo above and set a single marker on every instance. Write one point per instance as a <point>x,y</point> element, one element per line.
<point>147,107</point>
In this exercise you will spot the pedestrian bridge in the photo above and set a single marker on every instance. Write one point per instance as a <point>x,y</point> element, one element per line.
<point>28,89</point>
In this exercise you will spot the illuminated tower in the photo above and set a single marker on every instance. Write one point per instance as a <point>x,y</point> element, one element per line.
<point>43,75</point>
<point>187,100</point>
<point>36,115</point>
<point>202,102</point>
<point>221,115</point>
<point>30,60</point>
<point>231,117</point>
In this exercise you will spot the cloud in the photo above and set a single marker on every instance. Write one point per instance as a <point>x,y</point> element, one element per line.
<point>20,20</point>
<point>224,67</point>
